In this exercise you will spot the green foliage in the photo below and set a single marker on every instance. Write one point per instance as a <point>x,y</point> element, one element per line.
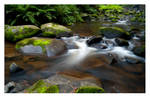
<point>27,14</point>
<point>90,89</point>
<point>111,9</point>
<point>112,12</point>
<point>138,17</point>
<point>32,14</point>
<point>68,14</point>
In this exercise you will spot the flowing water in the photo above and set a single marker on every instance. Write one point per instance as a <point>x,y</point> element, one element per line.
<point>100,62</point>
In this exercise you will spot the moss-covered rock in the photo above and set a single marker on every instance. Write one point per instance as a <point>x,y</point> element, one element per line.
<point>15,33</point>
<point>55,30</point>
<point>113,32</point>
<point>90,89</point>
<point>42,87</point>
<point>36,45</point>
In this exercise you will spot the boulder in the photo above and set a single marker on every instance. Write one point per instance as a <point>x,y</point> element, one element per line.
<point>15,33</point>
<point>121,42</point>
<point>41,46</point>
<point>94,40</point>
<point>42,86</point>
<point>113,32</point>
<point>55,30</point>
<point>64,83</point>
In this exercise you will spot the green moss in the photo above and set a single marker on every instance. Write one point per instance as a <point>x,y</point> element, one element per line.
<point>52,89</point>
<point>114,20</point>
<point>34,41</point>
<point>15,33</point>
<point>43,87</point>
<point>90,89</point>
<point>51,29</point>
<point>8,33</point>
<point>113,30</point>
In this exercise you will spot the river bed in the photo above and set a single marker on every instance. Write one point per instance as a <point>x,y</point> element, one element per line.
<point>125,77</point>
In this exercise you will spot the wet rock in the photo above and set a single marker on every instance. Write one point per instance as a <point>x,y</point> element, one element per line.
<point>14,68</point>
<point>9,86</point>
<point>41,46</point>
<point>94,40</point>
<point>113,32</point>
<point>121,42</point>
<point>13,87</point>
<point>139,50</point>
<point>55,30</point>
<point>62,83</point>
<point>15,33</point>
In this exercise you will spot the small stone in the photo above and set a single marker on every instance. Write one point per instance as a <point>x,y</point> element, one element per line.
<point>14,68</point>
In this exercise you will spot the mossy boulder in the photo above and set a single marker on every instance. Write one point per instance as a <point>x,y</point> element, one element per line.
<point>55,30</point>
<point>90,89</point>
<point>113,32</point>
<point>15,33</point>
<point>46,46</point>
<point>63,82</point>
<point>42,87</point>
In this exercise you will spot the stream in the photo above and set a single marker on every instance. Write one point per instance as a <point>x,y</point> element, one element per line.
<point>117,67</point>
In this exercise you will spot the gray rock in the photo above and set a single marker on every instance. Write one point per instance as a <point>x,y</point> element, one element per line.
<point>9,86</point>
<point>28,49</point>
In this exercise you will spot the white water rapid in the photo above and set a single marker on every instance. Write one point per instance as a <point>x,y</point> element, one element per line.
<point>74,56</point>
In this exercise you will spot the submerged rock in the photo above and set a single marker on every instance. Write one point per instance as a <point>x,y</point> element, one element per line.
<point>55,30</point>
<point>44,46</point>
<point>97,61</point>
<point>15,33</point>
<point>113,32</point>
<point>62,83</point>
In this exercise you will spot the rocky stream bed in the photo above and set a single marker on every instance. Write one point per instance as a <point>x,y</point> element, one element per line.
<point>94,57</point>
